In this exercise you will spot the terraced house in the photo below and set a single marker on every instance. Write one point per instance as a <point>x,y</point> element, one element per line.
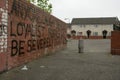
<point>94,27</point>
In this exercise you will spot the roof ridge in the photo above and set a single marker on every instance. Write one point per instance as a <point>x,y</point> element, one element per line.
<point>93,17</point>
<point>95,20</point>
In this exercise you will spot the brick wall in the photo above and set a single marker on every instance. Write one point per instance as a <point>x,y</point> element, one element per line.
<point>3,34</point>
<point>115,43</point>
<point>2,3</point>
<point>32,33</point>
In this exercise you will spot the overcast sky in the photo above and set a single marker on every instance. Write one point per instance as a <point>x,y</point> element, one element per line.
<point>85,8</point>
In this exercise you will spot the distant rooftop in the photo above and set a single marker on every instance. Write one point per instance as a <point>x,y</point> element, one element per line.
<point>101,20</point>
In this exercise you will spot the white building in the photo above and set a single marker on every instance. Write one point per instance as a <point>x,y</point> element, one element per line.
<point>95,25</point>
<point>69,28</point>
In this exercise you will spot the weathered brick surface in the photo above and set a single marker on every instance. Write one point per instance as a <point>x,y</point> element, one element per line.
<point>31,33</point>
<point>3,35</point>
<point>115,43</point>
<point>2,3</point>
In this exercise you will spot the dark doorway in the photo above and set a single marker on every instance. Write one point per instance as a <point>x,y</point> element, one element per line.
<point>88,33</point>
<point>73,32</point>
<point>104,32</point>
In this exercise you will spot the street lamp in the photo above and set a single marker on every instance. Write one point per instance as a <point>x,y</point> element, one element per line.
<point>69,27</point>
<point>68,20</point>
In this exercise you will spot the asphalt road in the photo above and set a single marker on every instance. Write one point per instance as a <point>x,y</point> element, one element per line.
<point>68,64</point>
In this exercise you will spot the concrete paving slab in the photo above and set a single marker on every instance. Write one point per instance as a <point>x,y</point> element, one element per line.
<point>69,65</point>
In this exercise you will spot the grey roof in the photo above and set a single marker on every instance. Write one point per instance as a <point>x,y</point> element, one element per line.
<point>101,20</point>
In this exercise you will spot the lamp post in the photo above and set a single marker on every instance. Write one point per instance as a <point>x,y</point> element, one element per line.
<point>68,20</point>
<point>68,28</point>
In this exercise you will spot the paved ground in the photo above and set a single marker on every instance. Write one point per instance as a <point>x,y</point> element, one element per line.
<point>96,45</point>
<point>69,65</point>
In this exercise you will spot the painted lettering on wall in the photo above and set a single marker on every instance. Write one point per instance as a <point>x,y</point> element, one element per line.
<point>31,32</point>
<point>3,30</point>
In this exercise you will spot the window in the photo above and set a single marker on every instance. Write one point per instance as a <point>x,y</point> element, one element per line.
<point>95,33</point>
<point>96,25</point>
<point>81,26</point>
<point>79,33</point>
<point>84,26</point>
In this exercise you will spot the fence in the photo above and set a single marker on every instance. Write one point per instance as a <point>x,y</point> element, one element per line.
<point>115,43</point>
<point>94,46</point>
